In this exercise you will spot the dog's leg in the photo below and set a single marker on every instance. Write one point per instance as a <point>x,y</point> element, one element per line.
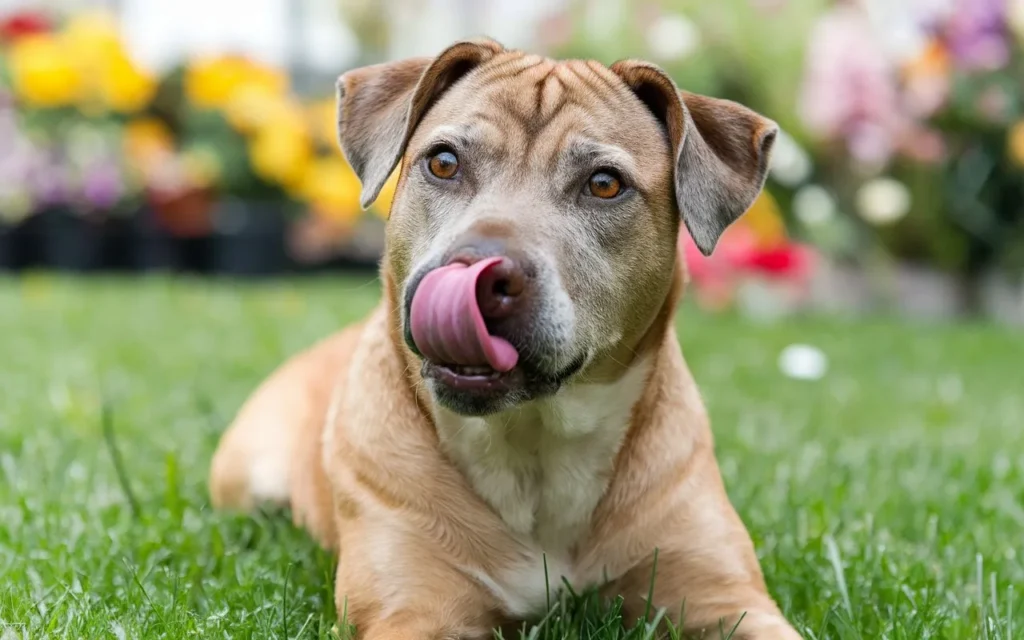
<point>428,602</point>
<point>706,599</point>
<point>271,453</point>
<point>705,574</point>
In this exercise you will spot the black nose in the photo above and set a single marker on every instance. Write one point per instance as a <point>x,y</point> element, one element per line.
<point>501,290</point>
<point>505,289</point>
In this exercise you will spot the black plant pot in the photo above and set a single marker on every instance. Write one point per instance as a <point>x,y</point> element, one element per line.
<point>8,259</point>
<point>153,247</point>
<point>119,244</point>
<point>21,244</point>
<point>356,265</point>
<point>249,239</point>
<point>71,242</point>
<point>194,255</point>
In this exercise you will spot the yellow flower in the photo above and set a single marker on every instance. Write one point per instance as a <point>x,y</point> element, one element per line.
<point>382,205</point>
<point>146,142</point>
<point>123,86</point>
<point>281,155</point>
<point>1015,143</point>
<point>213,82</point>
<point>42,71</point>
<point>332,189</point>
<point>324,117</point>
<point>255,107</point>
<point>92,34</point>
<point>764,219</point>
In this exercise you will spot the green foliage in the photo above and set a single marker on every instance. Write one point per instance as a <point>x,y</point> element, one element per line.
<point>744,54</point>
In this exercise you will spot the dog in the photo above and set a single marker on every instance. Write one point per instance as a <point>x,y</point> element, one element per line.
<point>516,413</point>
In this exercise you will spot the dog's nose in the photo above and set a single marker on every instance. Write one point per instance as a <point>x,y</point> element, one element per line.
<point>455,310</point>
<point>501,289</point>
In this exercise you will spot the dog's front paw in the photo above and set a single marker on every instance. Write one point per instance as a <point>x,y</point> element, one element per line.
<point>763,627</point>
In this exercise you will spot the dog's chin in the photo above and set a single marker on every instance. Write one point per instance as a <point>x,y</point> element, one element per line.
<point>481,391</point>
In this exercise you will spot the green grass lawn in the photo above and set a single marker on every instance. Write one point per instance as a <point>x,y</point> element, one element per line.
<point>886,500</point>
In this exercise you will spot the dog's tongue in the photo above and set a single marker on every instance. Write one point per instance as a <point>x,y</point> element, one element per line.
<point>446,323</point>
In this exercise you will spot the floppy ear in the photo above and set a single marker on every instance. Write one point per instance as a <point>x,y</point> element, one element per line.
<point>380,105</point>
<point>721,148</point>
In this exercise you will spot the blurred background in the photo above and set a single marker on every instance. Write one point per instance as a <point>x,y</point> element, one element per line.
<point>198,136</point>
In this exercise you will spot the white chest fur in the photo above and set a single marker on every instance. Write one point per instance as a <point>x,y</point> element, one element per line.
<point>543,468</point>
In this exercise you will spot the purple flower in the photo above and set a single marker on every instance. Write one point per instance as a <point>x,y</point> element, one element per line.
<point>102,185</point>
<point>20,158</point>
<point>50,180</point>
<point>977,34</point>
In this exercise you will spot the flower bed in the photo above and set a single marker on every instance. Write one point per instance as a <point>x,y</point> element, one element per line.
<point>216,165</point>
<point>902,144</point>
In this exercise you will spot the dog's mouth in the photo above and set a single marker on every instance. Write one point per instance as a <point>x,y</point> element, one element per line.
<point>480,390</point>
<point>474,378</point>
<point>476,365</point>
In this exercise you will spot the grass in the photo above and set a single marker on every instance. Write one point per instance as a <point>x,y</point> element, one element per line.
<point>886,500</point>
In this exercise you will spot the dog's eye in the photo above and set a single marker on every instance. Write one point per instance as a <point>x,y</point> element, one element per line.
<point>605,185</point>
<point>444,164</point>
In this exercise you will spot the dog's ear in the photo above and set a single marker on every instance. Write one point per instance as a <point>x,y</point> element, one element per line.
<point>380,105</point>
<point>722,150</point>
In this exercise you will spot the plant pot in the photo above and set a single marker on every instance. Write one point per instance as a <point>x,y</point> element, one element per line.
<point>119,242</point>
<point>153,247</point>
<point>176,232</point>
<point>70,241</point>
<point>193,255</point>
<point>8,260</point>
<point>249,238</point>
<point>320,245</point>
<point>20,244</point>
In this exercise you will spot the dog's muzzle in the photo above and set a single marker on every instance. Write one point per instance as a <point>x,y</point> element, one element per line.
<point>450,309</point>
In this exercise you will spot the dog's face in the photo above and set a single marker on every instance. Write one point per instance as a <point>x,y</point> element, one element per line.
<point>534,228</point>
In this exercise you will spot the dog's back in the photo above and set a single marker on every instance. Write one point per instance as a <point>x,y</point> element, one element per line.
<point>272,453</point>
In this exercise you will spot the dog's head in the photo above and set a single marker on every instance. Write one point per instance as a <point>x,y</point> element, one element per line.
<point>534,228</point>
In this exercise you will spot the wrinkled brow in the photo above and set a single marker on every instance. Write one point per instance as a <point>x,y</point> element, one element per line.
<point>455,136</point>
<point>591,155</point>
<point>472,138</point>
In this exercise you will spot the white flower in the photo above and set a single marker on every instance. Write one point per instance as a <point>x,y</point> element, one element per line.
<point>673,37</point>
<point>814,205</point>
<point>898,26</point>
<point>1016,17</point>
<point>883,201</point>
<point>803,362</point>
<point>790,163</point>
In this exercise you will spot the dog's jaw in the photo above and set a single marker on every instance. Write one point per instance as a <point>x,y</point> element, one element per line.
<point>543,468</point>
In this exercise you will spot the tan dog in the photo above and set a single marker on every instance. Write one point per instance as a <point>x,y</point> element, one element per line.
<point>519,397</point>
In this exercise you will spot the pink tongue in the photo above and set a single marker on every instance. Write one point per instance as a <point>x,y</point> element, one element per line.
<point>446,323</point>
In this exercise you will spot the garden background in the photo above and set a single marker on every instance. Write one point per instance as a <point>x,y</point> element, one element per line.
<point>141,135</point>
<point>176,220</point>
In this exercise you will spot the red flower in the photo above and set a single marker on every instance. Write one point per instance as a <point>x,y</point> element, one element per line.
<point>790,261</point>
<point>737,254</point>
<point>21,24</point>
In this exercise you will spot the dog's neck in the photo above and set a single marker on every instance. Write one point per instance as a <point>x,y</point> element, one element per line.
<point>544,467</point>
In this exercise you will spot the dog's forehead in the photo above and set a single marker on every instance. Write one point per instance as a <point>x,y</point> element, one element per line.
<point>530,97</point>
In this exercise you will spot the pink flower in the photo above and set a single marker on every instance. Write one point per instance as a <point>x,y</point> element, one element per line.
<point>849,90</point>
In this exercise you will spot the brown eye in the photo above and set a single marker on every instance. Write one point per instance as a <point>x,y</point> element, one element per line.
<point>605,185</point>
<point>444,164</point>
